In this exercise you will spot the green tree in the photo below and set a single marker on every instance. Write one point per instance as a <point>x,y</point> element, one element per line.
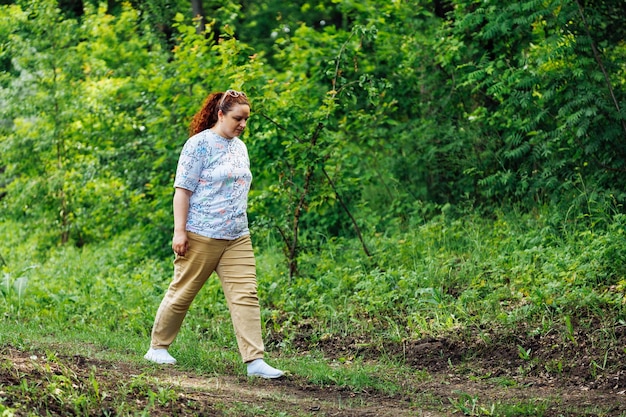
<point>537,86</point>
<point>367,116</point>
<point>42,99</point>
<point>72,145</point>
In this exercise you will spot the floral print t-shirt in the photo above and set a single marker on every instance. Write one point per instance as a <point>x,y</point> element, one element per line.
<point>217,172</point>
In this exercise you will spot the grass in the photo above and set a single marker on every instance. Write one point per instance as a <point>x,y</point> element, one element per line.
<point>530,408</point>
<point>446,275</point>
<point>464,276</point>
<point>58,390</point>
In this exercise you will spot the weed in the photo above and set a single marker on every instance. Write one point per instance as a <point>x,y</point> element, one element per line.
<point>524,354</point>
<point>531,408</point>
<point>594,366</point>
<point>569,330</point>
<point>13,289</point>
<point>554,366</point>
<point>505,382</point>
<point>6,411</point>
<point>469,405</point>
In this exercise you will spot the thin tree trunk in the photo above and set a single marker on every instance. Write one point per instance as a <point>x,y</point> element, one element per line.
<point>293,247</point>
<point>198,13</point>
<point>60,154</point>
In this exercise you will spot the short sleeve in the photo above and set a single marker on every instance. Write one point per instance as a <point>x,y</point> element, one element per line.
<point>190,163</point>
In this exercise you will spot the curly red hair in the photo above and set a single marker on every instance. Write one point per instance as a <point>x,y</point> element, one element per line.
<point>206,117</point>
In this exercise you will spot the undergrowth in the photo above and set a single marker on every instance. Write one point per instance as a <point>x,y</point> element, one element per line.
<point>451,276</point>
<point>441,276</point>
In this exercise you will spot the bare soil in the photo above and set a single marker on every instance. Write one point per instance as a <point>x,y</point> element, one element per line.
<point>580,374</point>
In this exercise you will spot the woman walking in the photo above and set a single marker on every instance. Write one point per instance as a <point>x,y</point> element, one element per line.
<point>211,231</point>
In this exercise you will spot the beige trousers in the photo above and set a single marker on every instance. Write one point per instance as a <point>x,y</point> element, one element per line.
<point>234,262</point>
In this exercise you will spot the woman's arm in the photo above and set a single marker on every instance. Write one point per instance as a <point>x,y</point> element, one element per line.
<point>181,208</point>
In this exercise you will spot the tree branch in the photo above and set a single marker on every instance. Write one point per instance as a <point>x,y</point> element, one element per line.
<point>281,127</point>
<point>345,208</point>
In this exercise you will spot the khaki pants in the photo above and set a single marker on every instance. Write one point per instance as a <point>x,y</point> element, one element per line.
<point>234,262</point>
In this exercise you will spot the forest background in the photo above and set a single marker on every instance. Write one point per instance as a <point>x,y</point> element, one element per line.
<point>421,168</point>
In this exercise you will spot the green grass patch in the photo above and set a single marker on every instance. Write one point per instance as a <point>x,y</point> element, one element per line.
<point>345,322</point>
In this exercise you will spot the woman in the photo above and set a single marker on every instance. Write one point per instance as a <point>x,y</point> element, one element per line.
<point>211,231</point>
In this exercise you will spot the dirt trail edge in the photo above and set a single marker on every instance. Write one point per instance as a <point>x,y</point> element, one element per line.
<point>60,385</point>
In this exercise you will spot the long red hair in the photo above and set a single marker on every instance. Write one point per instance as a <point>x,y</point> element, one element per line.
<point>206,117</point>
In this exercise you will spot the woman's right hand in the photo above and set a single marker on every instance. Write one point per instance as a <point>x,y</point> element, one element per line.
<point>180,244</point>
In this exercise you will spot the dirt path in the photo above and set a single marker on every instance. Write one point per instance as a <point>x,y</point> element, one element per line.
<point>54,385</point>
<point>287,394</point>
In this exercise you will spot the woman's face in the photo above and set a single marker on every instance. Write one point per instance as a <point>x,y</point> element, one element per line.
<point>233,123</point>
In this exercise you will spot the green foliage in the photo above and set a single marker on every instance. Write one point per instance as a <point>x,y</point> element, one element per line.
<point>472,405</point>
<point>358,127</point>
<point>450,275</point>
<point>113,286</point>
<point>446,275</point>
<point>370,156</point>
<point>64,153</point>
<point>423,173</point>
<point>537,89</point>
<point>382,143</point>
<point>454,274</point>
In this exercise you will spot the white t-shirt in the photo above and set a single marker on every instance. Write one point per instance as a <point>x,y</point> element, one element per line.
<point>217,171</point>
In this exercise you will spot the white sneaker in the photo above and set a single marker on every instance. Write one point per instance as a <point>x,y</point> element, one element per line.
<point>258,367</point>
<point>159,356</point>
